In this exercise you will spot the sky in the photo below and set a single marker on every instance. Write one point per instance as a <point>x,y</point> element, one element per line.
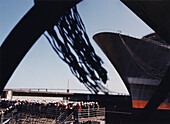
<point>42,68</point>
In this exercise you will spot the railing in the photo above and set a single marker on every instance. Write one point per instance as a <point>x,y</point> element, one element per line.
<point>91,114</point>
<point>69,118</point>
<point>59,114</point>
<point>6,117</point>
<point>83,116</point>
<point>62,116</point>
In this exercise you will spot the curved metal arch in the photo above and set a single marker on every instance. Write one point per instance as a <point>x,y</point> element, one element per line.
<point>39,18</point>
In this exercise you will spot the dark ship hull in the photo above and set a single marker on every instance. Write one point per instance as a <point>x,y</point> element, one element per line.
<point>141,63</point>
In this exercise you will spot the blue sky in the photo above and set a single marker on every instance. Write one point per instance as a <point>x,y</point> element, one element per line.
<point>42,68</point>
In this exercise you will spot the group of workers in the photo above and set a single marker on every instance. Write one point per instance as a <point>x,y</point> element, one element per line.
<point>54,108</point>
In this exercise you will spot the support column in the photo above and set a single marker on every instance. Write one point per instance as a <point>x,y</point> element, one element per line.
<point>9,94</point>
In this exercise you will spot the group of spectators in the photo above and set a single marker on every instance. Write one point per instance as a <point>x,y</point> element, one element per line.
<point>6,108</point>
<point>54,108</point>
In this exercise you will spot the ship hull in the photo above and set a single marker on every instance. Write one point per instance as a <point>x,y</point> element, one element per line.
<point>141,64</point>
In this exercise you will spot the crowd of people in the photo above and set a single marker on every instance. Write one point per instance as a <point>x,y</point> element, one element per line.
<point>54,108</point>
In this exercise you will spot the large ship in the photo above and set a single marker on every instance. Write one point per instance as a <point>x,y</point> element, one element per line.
<point>141,63</point>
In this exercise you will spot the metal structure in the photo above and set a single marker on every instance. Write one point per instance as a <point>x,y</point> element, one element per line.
<point>39,18</point>
<point>31,26</point>
<point>155,13</point>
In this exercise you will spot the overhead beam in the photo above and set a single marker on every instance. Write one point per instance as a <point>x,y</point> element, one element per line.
<point>154,13</point>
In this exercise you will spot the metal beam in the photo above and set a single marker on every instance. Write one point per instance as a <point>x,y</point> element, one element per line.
<point>159,96</point>
<point>154,13</point>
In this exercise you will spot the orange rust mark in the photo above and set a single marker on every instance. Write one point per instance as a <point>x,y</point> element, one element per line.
<point>142,103</point>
